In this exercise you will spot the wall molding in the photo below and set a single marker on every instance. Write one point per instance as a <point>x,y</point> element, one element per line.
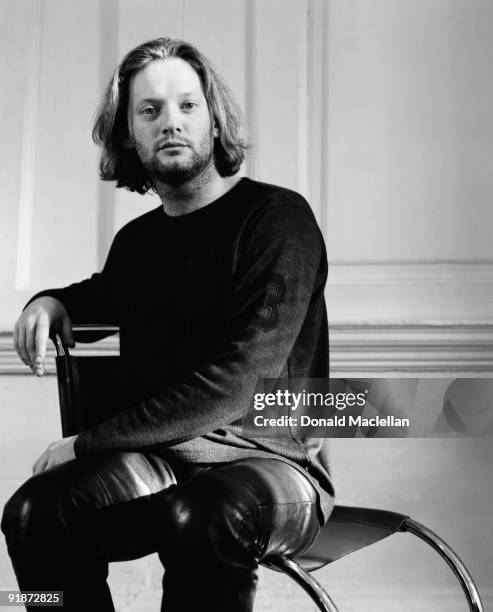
<point>427,349</point>
<point>373,348</point>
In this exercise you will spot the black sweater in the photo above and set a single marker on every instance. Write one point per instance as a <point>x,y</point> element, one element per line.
<point>207,303</point>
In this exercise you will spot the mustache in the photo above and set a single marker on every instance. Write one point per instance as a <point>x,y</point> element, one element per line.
<point>170,142</point>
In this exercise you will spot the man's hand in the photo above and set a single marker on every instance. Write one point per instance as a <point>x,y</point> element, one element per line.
<point>33,327</point>
<point>57,452</point>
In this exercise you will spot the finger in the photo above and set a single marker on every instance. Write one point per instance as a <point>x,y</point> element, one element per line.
<point>41,340</point>
<point>21,350</point>
<point>16,339</point>
<point>67,334</point>
<point>31,343</point>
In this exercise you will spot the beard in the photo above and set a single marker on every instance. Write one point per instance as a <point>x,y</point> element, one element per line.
<point>177,169</point>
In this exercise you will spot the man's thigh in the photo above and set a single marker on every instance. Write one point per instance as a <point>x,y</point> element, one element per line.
<point>103,501</point>
<point>121,506</point>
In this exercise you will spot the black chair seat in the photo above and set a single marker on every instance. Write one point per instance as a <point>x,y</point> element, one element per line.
<point>348,530</point>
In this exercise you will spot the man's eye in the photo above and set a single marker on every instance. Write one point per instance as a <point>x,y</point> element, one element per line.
<point>188,105</point>
<point>148,110</point>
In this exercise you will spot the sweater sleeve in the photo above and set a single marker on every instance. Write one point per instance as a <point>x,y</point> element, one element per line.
<point>280,263</point>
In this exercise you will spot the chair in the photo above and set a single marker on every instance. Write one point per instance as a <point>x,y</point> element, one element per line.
<point>348,529</point>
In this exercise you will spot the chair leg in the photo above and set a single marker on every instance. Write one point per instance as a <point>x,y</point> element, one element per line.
<point>444,550</point>
<point>306,581</point>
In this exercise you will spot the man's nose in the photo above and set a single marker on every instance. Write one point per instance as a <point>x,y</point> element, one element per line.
<point>171,121</point>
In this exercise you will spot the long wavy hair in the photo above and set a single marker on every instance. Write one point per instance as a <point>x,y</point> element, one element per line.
<point>122,164</point>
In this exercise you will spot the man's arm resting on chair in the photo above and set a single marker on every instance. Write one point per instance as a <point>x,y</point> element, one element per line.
<point>90,301</point>
<point>45,314</point>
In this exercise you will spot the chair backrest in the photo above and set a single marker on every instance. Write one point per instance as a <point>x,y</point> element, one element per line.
<point>89,387</point>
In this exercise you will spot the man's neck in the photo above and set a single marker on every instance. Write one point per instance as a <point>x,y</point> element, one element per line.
<point>194,194</point>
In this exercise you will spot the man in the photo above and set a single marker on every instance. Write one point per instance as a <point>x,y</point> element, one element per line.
<point>217,288</point>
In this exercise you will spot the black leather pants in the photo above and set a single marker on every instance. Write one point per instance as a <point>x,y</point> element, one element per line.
<point>211,527</point>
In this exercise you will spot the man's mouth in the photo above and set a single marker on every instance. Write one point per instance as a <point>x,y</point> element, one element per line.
<point>171,145</point>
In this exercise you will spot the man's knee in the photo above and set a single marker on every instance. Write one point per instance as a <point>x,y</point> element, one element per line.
<point>242,512</point>
<point>61,497</point>
<point>26,512</point>
<point>206,525</point>
<point>212,514</point>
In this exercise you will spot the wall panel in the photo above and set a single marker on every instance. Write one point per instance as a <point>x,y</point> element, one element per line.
<point>411,127</point>
<point>409,137</point>
<point>64,206</point>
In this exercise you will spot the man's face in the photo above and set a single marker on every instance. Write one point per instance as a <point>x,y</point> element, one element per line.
<point>169,122</point>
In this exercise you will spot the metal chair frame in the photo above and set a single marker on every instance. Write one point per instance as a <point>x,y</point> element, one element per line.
<point>322,599</point>
<point>363,526</point>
